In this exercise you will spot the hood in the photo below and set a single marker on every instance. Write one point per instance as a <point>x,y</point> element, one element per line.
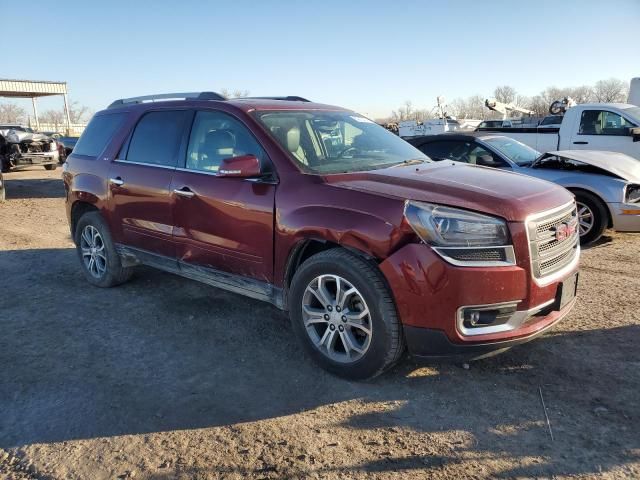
<point>508,195</point>
<point>17,136</point>
<point>624,166</point>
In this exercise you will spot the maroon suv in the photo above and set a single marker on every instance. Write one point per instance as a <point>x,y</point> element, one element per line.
<point>367,244</point>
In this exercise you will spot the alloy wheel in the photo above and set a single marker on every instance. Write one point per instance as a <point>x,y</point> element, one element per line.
<point>93,251</point>
<point>586,218</point>
<point>337,318</point>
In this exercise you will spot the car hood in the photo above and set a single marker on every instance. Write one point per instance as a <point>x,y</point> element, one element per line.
<point>624,166</point>
<point>508,195</point>
<point>17,136</point>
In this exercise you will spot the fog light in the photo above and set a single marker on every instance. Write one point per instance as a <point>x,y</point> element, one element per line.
<point>478,317</point>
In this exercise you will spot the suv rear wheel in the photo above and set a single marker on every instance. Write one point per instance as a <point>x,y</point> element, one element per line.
<point>51,166</point>
<point>100,262</point>
<point>343,313</point>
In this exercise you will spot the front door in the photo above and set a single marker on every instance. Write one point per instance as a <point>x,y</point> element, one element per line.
<point>605,130</point>
<point>223,224</point>
<point>140,180</point>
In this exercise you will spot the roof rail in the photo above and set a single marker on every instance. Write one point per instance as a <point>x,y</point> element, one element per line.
<point>289,98</point>
<point>168,96</point>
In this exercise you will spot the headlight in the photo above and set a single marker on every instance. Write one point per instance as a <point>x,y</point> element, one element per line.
<point>462,237</point>
<point>633,193</point>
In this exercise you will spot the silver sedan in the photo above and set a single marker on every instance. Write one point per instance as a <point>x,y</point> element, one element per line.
<point>606,184</point>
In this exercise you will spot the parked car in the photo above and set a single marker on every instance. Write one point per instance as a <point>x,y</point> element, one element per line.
<point>368,244</point>
<point>67,144</point>
<point>606,184</point>
<point>21,147</point>
<point>611,127</point>
<point>495,124</point>
<point>3,190</point>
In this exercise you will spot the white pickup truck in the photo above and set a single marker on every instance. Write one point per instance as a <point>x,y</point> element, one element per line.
<point>613,127</point>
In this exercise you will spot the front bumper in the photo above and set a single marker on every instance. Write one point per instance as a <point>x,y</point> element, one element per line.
<point>625,216</point>
<point>432,343</point>
<point>430,294</point>
<point>31,159</point>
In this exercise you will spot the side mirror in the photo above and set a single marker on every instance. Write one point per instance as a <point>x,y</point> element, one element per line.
<point>244,166</point>
<point>488,161</point>
<point>635,133</point>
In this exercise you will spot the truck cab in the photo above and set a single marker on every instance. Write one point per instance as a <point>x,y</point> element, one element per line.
<point>602,126</point>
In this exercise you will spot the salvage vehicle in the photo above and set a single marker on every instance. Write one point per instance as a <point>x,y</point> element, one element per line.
<point>612,127</point>
<point>606,184</point>
<point>21,147</point>
<point>369,245</point>
<point>67,144</point>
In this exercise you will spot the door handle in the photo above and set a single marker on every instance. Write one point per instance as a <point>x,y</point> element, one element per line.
<point>116,181</point>
<point>184,192</point>
<point>581,143</point>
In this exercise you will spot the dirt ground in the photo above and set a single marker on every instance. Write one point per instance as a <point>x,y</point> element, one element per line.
<point>166,378</point>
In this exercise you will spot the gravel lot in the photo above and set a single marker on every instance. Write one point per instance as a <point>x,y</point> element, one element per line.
<point>165,378</point>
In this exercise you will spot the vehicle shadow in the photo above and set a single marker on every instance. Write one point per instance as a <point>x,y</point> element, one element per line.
<point>162,353</point>
<point>33,188</point>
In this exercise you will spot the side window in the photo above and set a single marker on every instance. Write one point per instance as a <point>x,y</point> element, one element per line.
<point>156,138</point>
<point>447,150</point>
<point>95,137</point>
<point>603,122</point>
<point>216,136</point>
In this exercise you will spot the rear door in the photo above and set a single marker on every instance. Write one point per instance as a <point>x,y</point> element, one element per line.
<point>223,224</point>
<point>140,180</point>
<point>602,129</point>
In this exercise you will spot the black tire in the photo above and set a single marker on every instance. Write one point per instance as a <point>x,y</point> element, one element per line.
<point>599,213</point>
<point>387,341</point>
<point>115,273</point>
<point>51,166</point>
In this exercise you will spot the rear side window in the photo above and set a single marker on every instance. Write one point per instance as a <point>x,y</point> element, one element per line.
<point>447,150</point>
<point>95,137</point>
<point>156,138</point>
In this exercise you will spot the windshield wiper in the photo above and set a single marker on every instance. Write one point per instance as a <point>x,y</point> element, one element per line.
<point>411,161</point>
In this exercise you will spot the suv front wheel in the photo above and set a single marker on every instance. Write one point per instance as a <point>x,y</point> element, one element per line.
<point>100,262</point>
<point>343,313</point>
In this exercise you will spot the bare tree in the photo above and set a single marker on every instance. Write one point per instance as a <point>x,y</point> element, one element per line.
<point>12,113</point>
<point>539,105</point>
<point>611,90</point>
<point>226,93</point>
<point>78,113</point>
<point>471,107</point>
<point>506,94</point>
<point>53,117</point>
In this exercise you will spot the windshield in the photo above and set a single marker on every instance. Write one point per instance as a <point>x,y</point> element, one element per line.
<point>337,142</point>
<point>517,152</point>
<point>634,113</point>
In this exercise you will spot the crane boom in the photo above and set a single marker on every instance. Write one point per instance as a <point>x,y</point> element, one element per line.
<point>505,108</point>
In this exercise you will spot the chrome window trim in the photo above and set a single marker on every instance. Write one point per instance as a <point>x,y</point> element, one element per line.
<point>191,170</point>
<point>515,321</point>
<point>144,164</point>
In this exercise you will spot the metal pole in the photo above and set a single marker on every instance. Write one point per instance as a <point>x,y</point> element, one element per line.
<point>66,112</point>
<point>35,112</point>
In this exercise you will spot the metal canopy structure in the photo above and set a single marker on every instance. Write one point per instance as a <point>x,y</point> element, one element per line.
<point>33,89</point>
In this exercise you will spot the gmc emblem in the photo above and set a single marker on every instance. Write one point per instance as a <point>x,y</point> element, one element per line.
<point>564,231</point>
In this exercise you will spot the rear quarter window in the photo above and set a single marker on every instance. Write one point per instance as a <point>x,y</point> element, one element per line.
<point>96,136</point>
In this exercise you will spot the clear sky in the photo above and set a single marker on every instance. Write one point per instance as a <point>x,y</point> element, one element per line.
<point>365,55</point>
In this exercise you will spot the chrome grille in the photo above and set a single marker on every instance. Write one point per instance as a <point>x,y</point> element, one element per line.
<point>550,250</point>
